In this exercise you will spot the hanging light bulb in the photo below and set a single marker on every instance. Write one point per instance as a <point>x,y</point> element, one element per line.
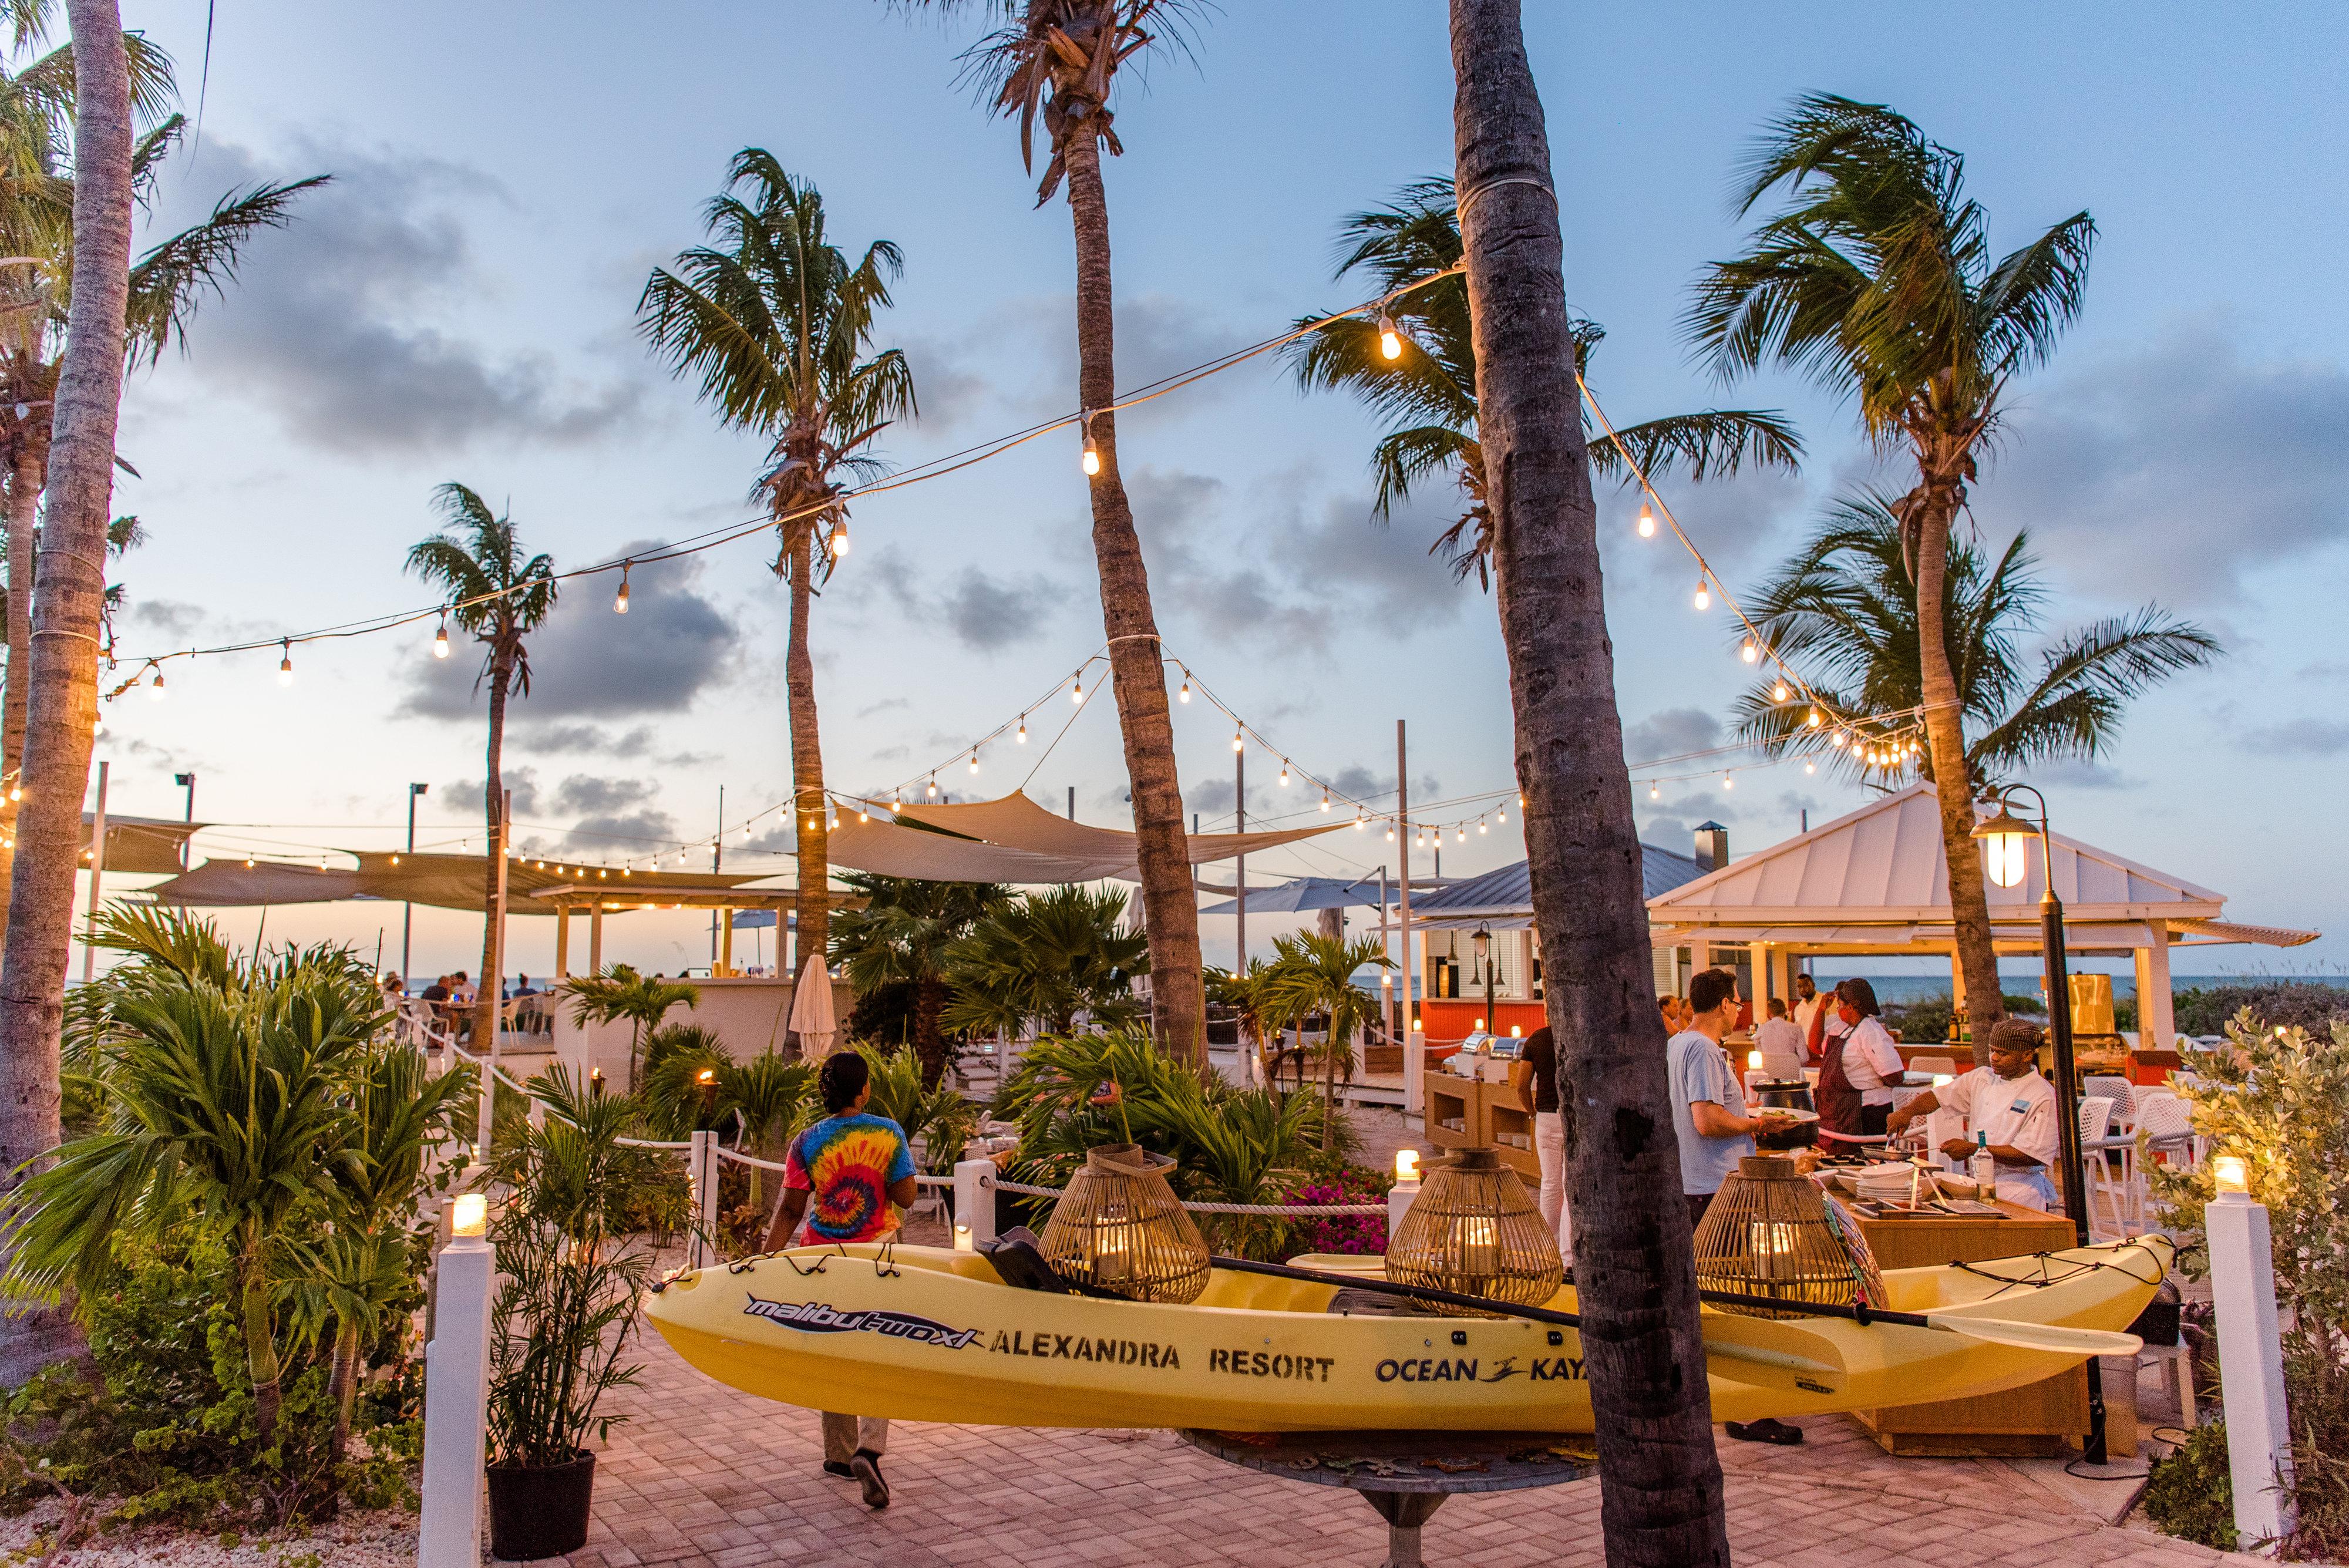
<point>285,664</point>
<point>626,870</point>
<point>1077,688</point>
<point>1810,766</point>
<point>861,813</point>
<point>1023,729</point>
<point>1815,719</point>
<point>1778,694</point>
<point>838,538</point>
<point>441,638</point>
<point>1389,336</point>
<point>620,600</point>
<point>1749,652</point>
<point>1238,743</point>
<point>1390,836</point>
<point>746,832</point>
<point>1093,452</point>
<point>1361,821</point>
<point>1480,825</point>
<point>156,691</point>
<point>1647,520</point>
<point>832,822</point>
<point>1729,781</point>
<point>248,862</point>
<point>1502,814</point>
<point>1703,593</point>
<point>1836,739</point>
<point>1185,695</point>
<point>1463,833</point>
<point>98,726</point>
<point>1654,794</point>
<point>974,759</point>
<point>1284,772</point>
<point>933,787</point>
<point>1325,799</point>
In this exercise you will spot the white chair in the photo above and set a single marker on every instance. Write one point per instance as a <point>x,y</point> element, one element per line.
<point>1936,1066</point>
<point>2095,1146</point>
<point>2123,1094</point>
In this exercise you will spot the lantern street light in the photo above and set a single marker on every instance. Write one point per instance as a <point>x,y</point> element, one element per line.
<point>2006,855</point>
<point>1484,940</point>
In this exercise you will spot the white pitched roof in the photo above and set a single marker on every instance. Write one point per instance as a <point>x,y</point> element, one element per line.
<point>1883,863</point>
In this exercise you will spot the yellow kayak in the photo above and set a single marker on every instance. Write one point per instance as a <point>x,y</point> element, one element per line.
<point>923,1334</point>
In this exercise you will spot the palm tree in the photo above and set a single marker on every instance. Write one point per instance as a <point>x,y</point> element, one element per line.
<point>500,597</point>
<point>1845,607</point>
<point>166,284</point>
<point>620,992</point>
<point>777,325</point>
<point>1660,1475</point>
<point>1058,60</point>
<point>1315,975</point>
<point>901,937</point>
<point>1877,280</point>
<point>1041,960</point>
<point>1428,391</point>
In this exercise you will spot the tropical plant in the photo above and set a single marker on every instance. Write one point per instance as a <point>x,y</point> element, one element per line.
<point>1845,608</point>
<point>1043,959</point>
<point>621,993</point>
<point>935,1114</point>
<point>1660,1476</point>
<point>227,1110</point>
<point>1057,61</point>
<point>499,597</point>
<point>678,1079</point>
<point>572,1278</point>
<point>901,937</point>
<point>776,324</point>
<point>1245,994</point>
<point>1877,279</point>
<point>1427,390</point>
<point>1314,975</point>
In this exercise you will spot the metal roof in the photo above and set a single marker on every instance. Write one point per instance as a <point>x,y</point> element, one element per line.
<point>1511,889</point>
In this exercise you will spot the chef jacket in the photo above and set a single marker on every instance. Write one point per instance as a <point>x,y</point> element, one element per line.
<point>2019,1113</point>
<point>1871,1062</point>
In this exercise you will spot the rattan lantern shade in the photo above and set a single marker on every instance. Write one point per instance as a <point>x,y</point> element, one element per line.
<point>1475,1229</point>
<point>1119,1228</point>
<point>1772,1232</point>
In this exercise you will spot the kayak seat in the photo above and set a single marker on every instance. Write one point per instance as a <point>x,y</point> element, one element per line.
<point>1017,1258</point>
<point>1376,1304</point>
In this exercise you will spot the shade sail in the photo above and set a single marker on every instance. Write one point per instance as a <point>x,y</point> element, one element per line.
<point>232,884</point>
<point>444,881</point>
<point>886,849</point>
<point>1304,893</point>
<point>141,845</point>
<point>1016,822</point>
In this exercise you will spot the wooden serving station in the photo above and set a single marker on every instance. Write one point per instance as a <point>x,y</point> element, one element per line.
<point>1468,1113</point>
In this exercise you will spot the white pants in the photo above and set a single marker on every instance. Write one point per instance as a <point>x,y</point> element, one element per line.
<point>1549,1148</point>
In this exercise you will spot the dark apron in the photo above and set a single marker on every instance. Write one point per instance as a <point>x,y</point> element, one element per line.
<point>1839,1102</point>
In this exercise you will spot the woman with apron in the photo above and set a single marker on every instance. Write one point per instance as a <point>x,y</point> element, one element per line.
<point>1853,1094</point>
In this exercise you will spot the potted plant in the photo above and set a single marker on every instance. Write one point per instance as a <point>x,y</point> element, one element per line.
<point>572,1278</point>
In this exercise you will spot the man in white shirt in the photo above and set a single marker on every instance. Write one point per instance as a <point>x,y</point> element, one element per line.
<point>2008,1106</point>
<point>1780,1042</point>
<point>1808,1003</point>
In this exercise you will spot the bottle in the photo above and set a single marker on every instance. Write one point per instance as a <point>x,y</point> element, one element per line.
<point>1983,1166</point>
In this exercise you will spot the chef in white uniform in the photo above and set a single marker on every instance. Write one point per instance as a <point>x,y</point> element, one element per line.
<point>2009,1104</point>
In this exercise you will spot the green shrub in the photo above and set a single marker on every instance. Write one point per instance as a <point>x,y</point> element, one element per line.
<point>2277,1003</point>
<point>2190,1494</point>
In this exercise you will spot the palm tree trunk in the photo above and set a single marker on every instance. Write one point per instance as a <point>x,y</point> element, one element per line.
<point>810,808</point>
<point>260,1342</point>
<point>1170,908</point>
<point>69,587</point>
<point>1662,1490</point>
<point>343,1382</point>
<point>25,476</point>
<point>1945,735</point>
<point>485,1003</point>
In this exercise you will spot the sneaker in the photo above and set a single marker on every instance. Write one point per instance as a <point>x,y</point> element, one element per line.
<point>865,1466</point>
<point>1769,1430</point>
<point>839,1467</point>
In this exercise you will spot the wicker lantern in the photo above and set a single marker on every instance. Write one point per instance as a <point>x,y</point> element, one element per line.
<point>1475,1229</point>
<point>1771,1232</point>
<point>1119,1229</point>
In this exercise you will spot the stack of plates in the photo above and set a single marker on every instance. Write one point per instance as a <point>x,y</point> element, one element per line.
<point>1887,1183</point>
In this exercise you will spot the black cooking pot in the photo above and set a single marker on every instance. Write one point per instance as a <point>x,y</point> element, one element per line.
<point>1785,1094</point>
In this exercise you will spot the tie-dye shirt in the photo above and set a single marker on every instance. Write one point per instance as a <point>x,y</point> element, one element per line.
<point>847,1165</point>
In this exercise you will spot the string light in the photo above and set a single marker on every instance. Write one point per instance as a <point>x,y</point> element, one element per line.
<point>1023,729</point>
<point>1284,773</point>
<point>1779,693</point>
<point>1361,821</point>
<point>155,692</point>
<point>1462,833</point>
<point>1654,794</point>
<point>1810,766</point>
<point>1389,336</point>
<point>1077,690</point>
<point>1703,593</point>
<point>1749,652</point>
<point>1836,739</point>
<point>620,599</point>
<point>441,638</point>
<point>1390,836</point>
<point>933,787</point>
<point>838,538</point>
<point>1647,520</point>
<point>1092,453</point>
<point>1502,814</point>
<point>98,726</point>
<point>1185,695</point>
<point>1238,743</point>
<point>1325,799</point>
<point>1729,781</point>
<point>862,815</point>
<point>974,759</point>
<point>285,665</point>
<point>1480,825</point>
<point>1816,720</point>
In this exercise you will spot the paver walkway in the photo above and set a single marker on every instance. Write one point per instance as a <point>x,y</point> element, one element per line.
<point>702,1475</point>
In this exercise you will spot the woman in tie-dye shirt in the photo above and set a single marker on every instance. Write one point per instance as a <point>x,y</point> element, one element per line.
<point>849,1176</point>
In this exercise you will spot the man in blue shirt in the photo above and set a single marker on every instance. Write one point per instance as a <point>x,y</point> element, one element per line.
<point>1708,1102</point>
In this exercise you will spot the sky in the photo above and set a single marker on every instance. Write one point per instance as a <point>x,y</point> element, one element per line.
<point>459,306</point>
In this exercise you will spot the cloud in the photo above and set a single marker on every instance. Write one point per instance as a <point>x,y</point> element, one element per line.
<point>1672,732</point>
<point>985,613</point>
<point>175,620</point>
<point>2178,468</point>
<point>1019,359</point>
<point>463,797</point>
<point>2301,737</point>
<point>586,662</point>
<point>884,705</point>
<point>347,323</point>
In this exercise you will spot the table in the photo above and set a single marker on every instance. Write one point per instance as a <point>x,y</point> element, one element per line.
<point>1406,1476</point>
<point>2038,1419</point>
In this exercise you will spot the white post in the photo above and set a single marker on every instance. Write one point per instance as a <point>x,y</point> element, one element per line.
<point>96,871</point>
<point>2250,1366</point>
<point>456,1408</point>
<point>701,1179</point>
<point>1399,1197</point>
<point>2157,1019</point>
<point>974,1191</point>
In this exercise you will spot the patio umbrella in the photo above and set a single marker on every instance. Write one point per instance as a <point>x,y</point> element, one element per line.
<point>1303,894</point>
<point>811,1016</point>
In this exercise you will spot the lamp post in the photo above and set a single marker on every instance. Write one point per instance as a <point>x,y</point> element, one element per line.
<point>187,781</point>
<point>1484,940</point>
<point>2006,858</point>
<point>407,912</point>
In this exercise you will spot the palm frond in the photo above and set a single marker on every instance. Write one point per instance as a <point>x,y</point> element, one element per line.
<point>171,280</point>
<point>1717,441</point>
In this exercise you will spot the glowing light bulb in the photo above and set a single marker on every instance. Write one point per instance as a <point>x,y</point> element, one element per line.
<point>1809,766</point>
<point>832,822</point>
<point>1361,821</point>
<point>1729,781</point>
<point>1836,739</point>
<point>1749,652</point>
<point>441,639</point>
<point>1647,520</point>
<point>839,538</point>
<point>248,862</point>
<point>1077,688</point>
<point>1815,721</point>
<point>1185,695</point>
<point>862,815</point>
<point>1480,825</point>
<point>98,726</point>
<point>1501,813</point>
<point>1093,456</point>
<point>1325,800</point>
<point>1390,836</point>
<point>1654,794</point>
<point>974,759</point>
<point>1023,729</point>
<point>1779,693</point>
<point>1284,772</point>
<point>1463,833</point>
<point>933,787</point>
<point>620,599</point>
<point>1703,594</point>
<point>284,666</point>
<point>155,692</point>
<point>1238,743</point>
<point>1389,336</point>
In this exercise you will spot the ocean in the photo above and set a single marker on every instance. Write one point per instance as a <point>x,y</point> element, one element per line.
<point>1906,988</point>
